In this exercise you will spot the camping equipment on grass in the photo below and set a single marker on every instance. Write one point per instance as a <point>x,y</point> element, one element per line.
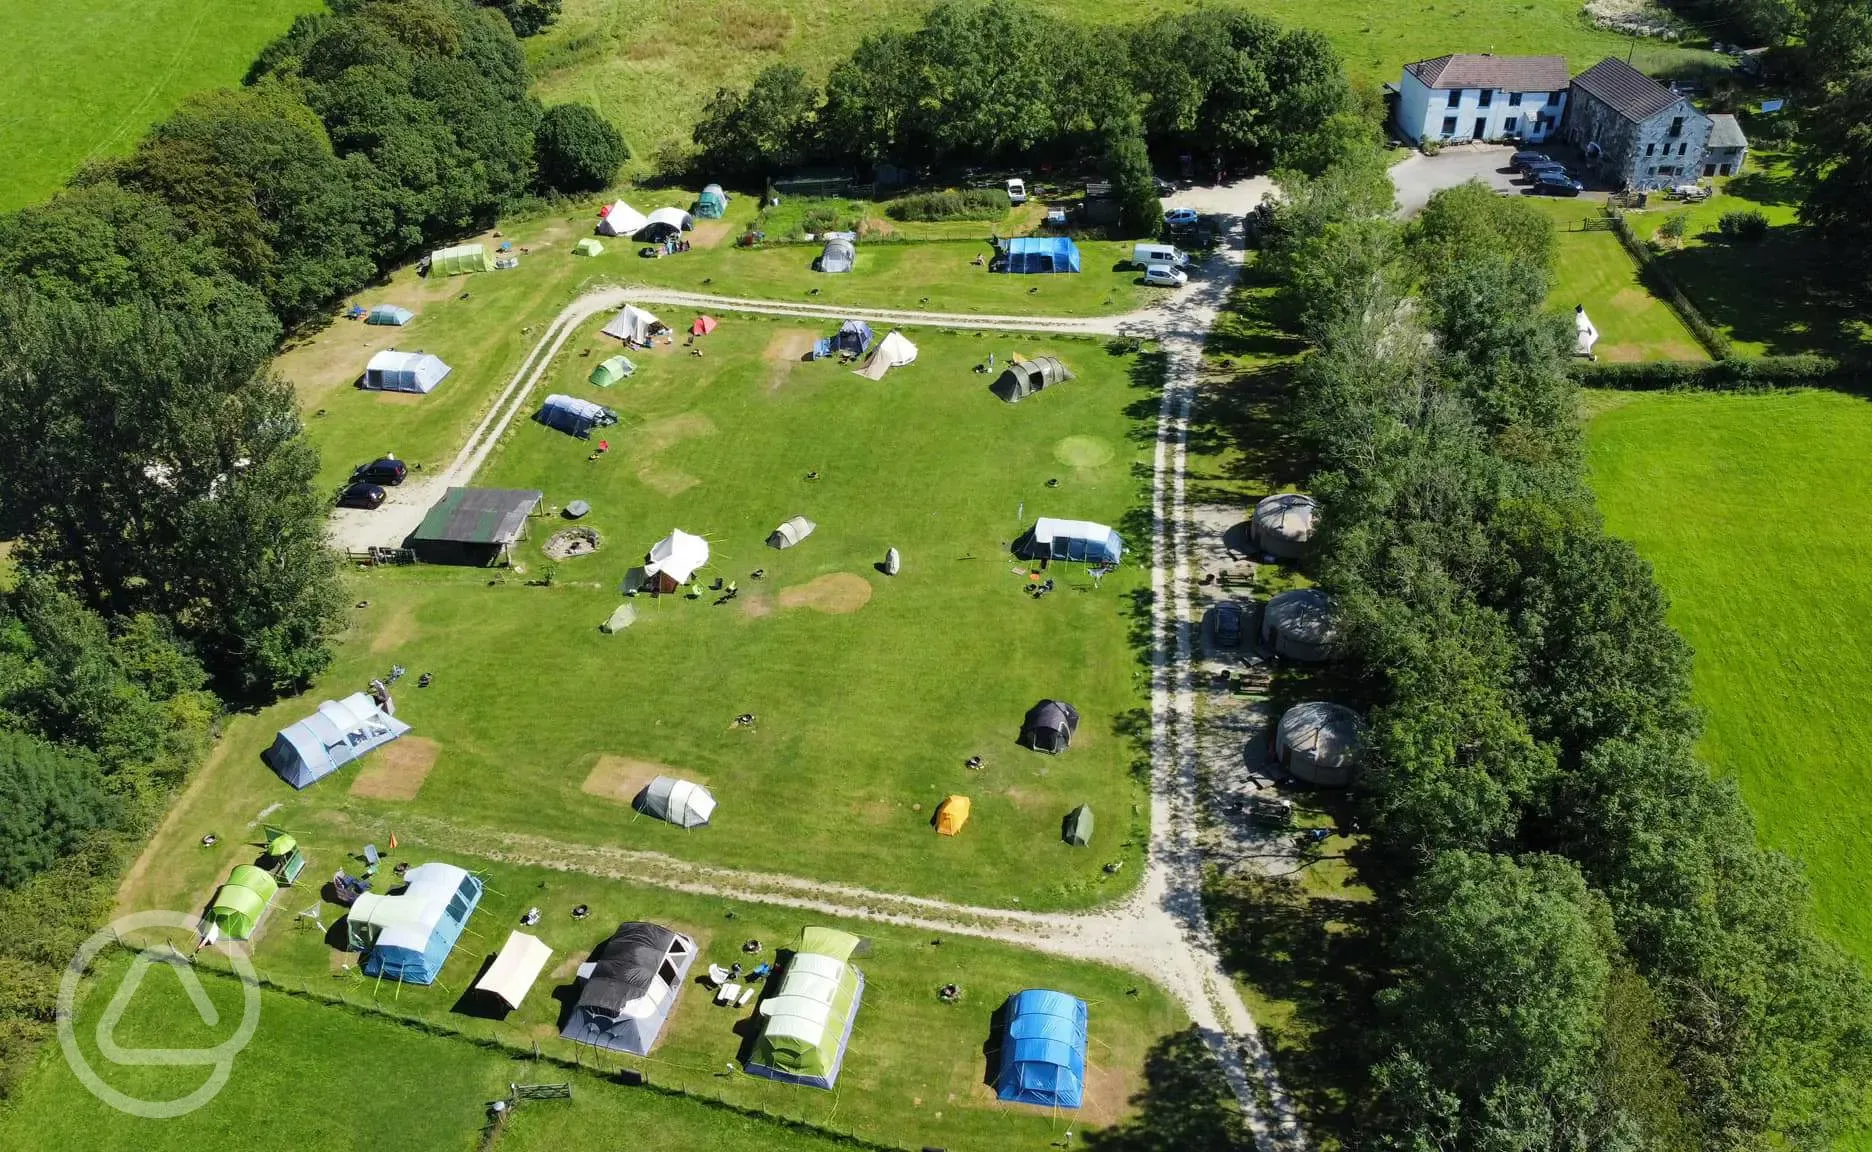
<point>589,246</point>
<point>791,532</point>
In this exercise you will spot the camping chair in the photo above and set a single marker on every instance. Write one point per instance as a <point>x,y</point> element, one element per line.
<point>370,860</point>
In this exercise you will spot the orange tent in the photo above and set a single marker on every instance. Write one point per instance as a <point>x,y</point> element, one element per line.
<point>703,326</point>
<point>951,814</point>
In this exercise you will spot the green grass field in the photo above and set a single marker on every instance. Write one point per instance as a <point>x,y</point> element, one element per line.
<point>84,78</point>
<point>1593,268</point>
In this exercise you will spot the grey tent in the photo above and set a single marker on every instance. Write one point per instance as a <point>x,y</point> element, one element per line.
<point>1026,377</point>
<point>389,314</point>
<point>1283,524</point>
<point>838,255</point>
<point>623,617</point>
<point>791,533</point>
<point>853,336</point>
<point>1077,829</point>
<point>630,986</point>
<point>1049,726</point>
<point>1299,625</point>
<point>1319,743</point>
<point>570,414</point>
<point>393,371</point>
<point>683,803</point>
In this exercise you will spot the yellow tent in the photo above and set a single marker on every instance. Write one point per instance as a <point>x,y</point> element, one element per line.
<point>951,814</point>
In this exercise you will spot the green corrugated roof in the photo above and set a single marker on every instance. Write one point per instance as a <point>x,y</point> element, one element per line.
<point>479,516</point>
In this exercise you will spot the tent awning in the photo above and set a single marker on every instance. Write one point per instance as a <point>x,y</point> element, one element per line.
<point>519,964</point>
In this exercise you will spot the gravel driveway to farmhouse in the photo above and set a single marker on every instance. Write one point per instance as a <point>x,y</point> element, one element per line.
<point>1418,177</point>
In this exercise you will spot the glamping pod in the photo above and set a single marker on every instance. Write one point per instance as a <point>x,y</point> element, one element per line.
<point>629,988</point>
<point>1049,726</point>
<point>1318,743</point>
<point>338,733</point>
<point>807,1017</point>
<point>1043,1049</point>
<point>1299,624</point>
<point>1283,524</point>
<point>393,371</point>
<point>408,935</point>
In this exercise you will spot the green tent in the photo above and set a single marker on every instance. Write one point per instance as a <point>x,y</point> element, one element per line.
<point>611,371</point>
<point>807,1018</point>
<point>588,247</point>
<point>459,260</point>
<point>240,903</point>
<point>1077,830</point>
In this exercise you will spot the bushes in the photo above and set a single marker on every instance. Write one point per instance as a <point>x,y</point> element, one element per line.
<point>951,204</point>
<point>577,150</point>
<point>1737,374</point>
<point>1747,226</point>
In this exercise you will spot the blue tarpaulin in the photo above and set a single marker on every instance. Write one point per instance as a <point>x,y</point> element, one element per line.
<point>1043,1049</point>
<point>1040,254</point>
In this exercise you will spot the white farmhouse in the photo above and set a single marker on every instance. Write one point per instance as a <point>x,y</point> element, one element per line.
<point>1482,97</point>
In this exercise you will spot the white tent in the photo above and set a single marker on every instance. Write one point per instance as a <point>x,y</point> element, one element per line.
<point>683,803</point>
<point>675,559</point>
<point>666,222</point>
<point>393,371</point>
<point>516,968</point>
<point>1585,333</point>
<point>633,326</point>
<point>894,351</point>
<point>621,220</point>
<point>791,532</point>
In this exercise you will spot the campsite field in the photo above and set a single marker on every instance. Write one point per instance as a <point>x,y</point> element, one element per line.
<point>1594,269</point>
<point>84,78</point>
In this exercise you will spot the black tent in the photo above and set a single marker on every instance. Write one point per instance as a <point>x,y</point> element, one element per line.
<point>641,964</point>
<point>1049,726</point>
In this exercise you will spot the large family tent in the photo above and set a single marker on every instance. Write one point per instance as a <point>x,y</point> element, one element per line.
<point>635,326</point>
<point>1283,524</point>
<point>712,204</point>
<point>1076,829</point>
<point>952,815</point>
<point>475,525</point>
<point>460,260</point>
<point>1025,377</point>
<point>807,1019</point>
<point>389,314</point>
<point>1076,540</point>
<point>1043,1049</point>
<point>1039,254</point>
<point>611,371</point>
<point>571,415</point>
<point>838,255</point>
<point>589,246</point>
<point>674,559</point>
<point>239,904</point>
<point>393,371</point>
<point>791,532</point>
<point>409,934</point>
<point>1299,624</point>
<point>665,223</point>
<point>683,803</point>
<point>894,351</point>
<point>1318,743</point>
<point>620,219</point>
<point>1049,726</point>
<point>853,336</point>
<point>630,987</point>
<point>338,733</point>
<point>515,968</point>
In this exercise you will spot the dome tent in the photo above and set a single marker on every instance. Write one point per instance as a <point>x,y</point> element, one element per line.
<point>389,314</point>
<point>620,219</point>
<point>1318,743</point>
<point>611,371</point>
<point>1299,625</point>
<point>589,246</point>
<point>665,223</point>
<point>1076,829</point>
<point>393,371</point>
<point>1025,377</point>
<point>713,203</point>
<point>683,803</point>
<point>1049,726</point>
<point>1283,524</point>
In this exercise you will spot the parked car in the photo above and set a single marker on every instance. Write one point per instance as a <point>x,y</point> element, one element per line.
<point>384,470</point>
<point>1544,164</point>
<point>1521,160</point>
<point>1164,276</point>
<point>361,495</point>
<point>1164,187</point>
<point>1228,624</point>
<point>1017,191</point>
<point>1556,184</point>
<point>1181,217</point>
<point>1056,217</point>
<point>1689,193</point>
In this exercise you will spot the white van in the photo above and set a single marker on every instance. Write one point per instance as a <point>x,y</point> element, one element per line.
<point>1165,276</point>
<point>1017,191</point>
<point>1144,255</point>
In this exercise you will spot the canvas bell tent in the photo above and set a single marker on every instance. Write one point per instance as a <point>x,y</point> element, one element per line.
<point>1049,726</point>
<point>665,223</point>
<point>838,255</point>
<point>620,219</point>
<point>952,815</point>
<point>1076,829</point>
<point>1584,334</point>
<point>1043,1049</point>
<point>589,246</point>
<point>683,803</point>
<point>338,733</point>
<point>894,351</point>
<point>515,968</point>
<point>1073,540</point>
<point>1025,377</point>
<point>573,416</point>
<point>673,560</point>
<point>393,371</point>
<point>713,203</point>
<point>1028,254</point>
<point>791,533</point>
<point>806,1020</point>
<point>460,260</point>
<point>240,903</point>
<point>408,935</point>
<point>635,326</point>
<point>629,988</point>
<point>611,371</point>
<point>476,526</point>
<point>389,314</point>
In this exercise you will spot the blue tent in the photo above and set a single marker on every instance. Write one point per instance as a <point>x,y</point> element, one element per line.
<point>389,314</point>
<point>1040,254</point>
<point>1043,1049</point>
<point>570,414</point>
<point>338,733</point>
<point>410,933</point>
<point>854,336</point>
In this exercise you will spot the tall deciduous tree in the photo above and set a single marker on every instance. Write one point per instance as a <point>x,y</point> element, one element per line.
<point>50,800</point>
<point>578,150</point>
<point>760,132</point>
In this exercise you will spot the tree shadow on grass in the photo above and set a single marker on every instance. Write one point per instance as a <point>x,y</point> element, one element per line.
<point>1184,1106</point>
<point>1776,293</point>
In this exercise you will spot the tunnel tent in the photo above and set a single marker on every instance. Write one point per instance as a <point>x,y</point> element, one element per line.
<point>611,371</point>
<point>1283,524</point>
<point>664,223</point>
<point>791,532</point>
<point>460,260</point>
<point>389,314</point>
<point>1023,378</point>
<point>635,326</point>
<point>1077,828</point>
<point>713,203</point>
<point>953,814</point>
<point>629,987</point>
<point>894,351</point>
<point>1299,625</point>
<point>414,372</point>
<point>589,246</point>
<point>1072,540</point>
<point>408,935</point>
<point>1049,726</point>
<point>1030,254</point>
<point>672,560</point>
<point>239,904</point>
<point>516,966</point>
<point>620,219</point>
<point>338,733</point>
<point>573,416</point>
<point>807,1017</point>
<point>683,803</point>
<point>1043,1049</point>
<point>838,255</point>
<point>1318,743</point>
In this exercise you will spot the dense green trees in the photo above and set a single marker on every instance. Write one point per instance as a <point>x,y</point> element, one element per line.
<point>528,17</point>
<point>761,132</point>
<point>577,150</point>
<point>49,802</point>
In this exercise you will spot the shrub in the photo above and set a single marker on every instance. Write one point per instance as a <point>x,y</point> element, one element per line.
<point>952,204</point>
<point>1745,225</point>
<point>528,17</point>
<point>1430,145</point>
<point>577,149</point>
<point>1740,374</point>
<point>1673,227</point>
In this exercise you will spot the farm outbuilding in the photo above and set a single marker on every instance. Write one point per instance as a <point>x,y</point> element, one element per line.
<point>806,1019</point>
<point>1076,540</point>
<point>239,903</point>
<point>1049,726</point>
<point>338,733</point>
<point>393,371</point>
<point>1029,254</point>
<point>474,526</point>
<point>389,314</point>
<point>673,560</point>
<point>460,260</point>
<point>683,803</point>
<point>620,219</point>
<point>1318,743</point>
<point>573,416</point>
<point>408,935</point>
<point>611,371</point>
<point>894,351</point>
<point>712,204</point>
<point>791,532</point>
<point>629,988</point>
<point>1025,377</point>
<point>1299,625</point>
<point>665,223</point>
<point>1043,1049</point>
<point>1076,829</point>
<point>838,255</point>
<point>1283,524</point>
<point>635,326</point>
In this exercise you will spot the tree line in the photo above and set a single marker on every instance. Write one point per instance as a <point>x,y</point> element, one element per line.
<point>1584,946</point>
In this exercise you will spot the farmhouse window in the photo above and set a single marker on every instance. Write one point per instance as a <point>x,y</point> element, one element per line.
<point>1449,125</point>
<point>1454,97</point>
<point>1684,148</point>
<point>1514,99</point>
<point>1510,124</point>
<point>1676,128</point>
<point>1650,149</point>
<point>1488,95</point>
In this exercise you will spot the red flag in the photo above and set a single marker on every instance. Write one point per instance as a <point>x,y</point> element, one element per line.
<point>393,841</point>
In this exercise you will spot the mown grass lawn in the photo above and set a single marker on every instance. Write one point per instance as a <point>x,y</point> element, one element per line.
<point>84,78</point>
<point>1593,268</point>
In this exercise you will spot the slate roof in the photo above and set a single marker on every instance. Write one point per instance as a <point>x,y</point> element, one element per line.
<point>1726,132</point>
<point>1625,90</point>
<point>479,515</point>
<point>1512,73</point>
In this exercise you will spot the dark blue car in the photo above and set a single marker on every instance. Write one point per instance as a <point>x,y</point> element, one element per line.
<point>1556,184</point>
